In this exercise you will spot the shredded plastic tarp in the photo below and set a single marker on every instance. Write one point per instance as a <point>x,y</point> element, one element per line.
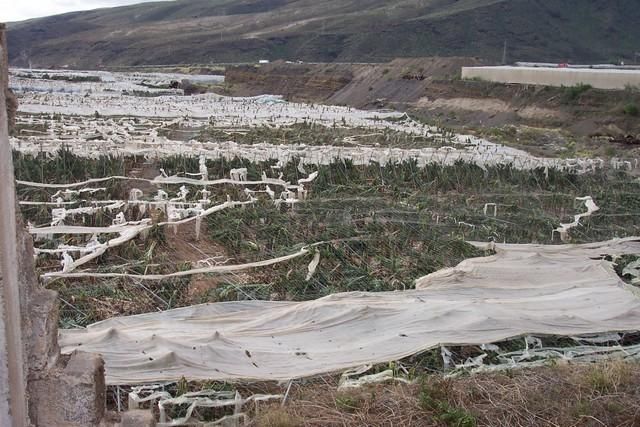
<point>540,356</point>
<point>158,181</point>
<point>114,131</point>
<point>179,212</point>
<point>562,290</point>
<point>479,152</point>
<point>354,378</point>
<point>591,206</point>
<point>126,231</point>
<point>231,400</point>
<point>217,269</point>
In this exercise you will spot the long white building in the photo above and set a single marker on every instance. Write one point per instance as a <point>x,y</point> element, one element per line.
<point>559,76</point>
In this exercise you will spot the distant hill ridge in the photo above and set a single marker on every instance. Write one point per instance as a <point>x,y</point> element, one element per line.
<point>209,31</point>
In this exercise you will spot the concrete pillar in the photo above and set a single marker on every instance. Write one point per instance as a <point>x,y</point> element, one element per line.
<point>38,386</point>
<point>13,399</point>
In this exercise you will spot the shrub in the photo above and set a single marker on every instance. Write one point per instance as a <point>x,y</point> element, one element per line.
<point>631,110</point>
<point>434,398</point>
<point>572,93</point>
<point>348,403</point>
<point>608,378</point>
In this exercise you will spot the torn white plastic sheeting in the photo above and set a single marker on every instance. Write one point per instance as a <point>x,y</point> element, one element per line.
<point>203,399</point>
<point>126,234</point>
<point>77,184</point>
<point>486,209</point>
<point>127,231</point>
<point>311,269</point>
<point>159,181</point>
<point>479,152</point>
<point>60,197</point>
<point>31,80</point>
<point>559,290</point>
<point>80,229</point>
<point>540,357</point>
<point>90,247</point>
<point>210,399</point>
<point>633,269</point>
<point>124,135</point>
<point>238,174</point>
<point>599,338</point>
<point>178,212</point>
<point>78,202</point>
<point>194,400</point>
<point>350,378</point>
<point>308,179</point>
<point>59,215</point>
<point>217,269</point>
<point>564,228</point>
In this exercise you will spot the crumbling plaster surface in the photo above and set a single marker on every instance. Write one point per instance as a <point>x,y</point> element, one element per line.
<point>61,390</point>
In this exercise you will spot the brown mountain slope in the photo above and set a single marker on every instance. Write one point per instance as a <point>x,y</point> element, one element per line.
<point>204,31</point>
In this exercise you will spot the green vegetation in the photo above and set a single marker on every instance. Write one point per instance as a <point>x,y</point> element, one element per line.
<point>631,110</point>
<point>348,403</point>
<point>366,254</point>
<point>72,78</point>
<point>620,263</point>
<point>64,167</point>
<point>318,135</point>
<point>608,378</point>
<point>571,94</point>
<point>384,227</point>
<point>558,395</point>
<point>82,305</point>
<point>433,398</point>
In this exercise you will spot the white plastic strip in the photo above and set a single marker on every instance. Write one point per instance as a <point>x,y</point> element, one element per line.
<point>159,181</point>
<point>564,228</point>
<point>219,269</point>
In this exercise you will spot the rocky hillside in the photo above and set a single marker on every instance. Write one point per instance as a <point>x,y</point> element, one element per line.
<point>206,31</point>
<point>360,85</point>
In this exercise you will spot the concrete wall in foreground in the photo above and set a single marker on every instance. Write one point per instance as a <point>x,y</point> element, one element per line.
<point>600,79</point>
<point>54,390</point>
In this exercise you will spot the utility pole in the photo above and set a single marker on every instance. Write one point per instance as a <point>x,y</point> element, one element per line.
<point>504,54</point>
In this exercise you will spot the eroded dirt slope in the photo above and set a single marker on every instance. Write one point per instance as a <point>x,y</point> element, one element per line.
<point>545,120</point>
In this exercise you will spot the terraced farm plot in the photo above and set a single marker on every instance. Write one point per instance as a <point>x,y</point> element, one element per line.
<point>253,239</point>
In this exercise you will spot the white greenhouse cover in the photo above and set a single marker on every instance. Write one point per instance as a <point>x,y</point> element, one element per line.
<point>564,290</point>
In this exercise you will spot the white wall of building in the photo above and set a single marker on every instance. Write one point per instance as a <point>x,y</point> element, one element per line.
<point>598,78</point>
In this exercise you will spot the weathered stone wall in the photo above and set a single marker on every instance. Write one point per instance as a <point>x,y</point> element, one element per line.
<point>12,109</point>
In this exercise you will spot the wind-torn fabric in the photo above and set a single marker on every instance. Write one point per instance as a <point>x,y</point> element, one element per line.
<point>563,290</point>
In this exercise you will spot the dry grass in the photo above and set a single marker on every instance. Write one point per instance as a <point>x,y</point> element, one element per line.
<point>276,417</point>
<point>605,394</point>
